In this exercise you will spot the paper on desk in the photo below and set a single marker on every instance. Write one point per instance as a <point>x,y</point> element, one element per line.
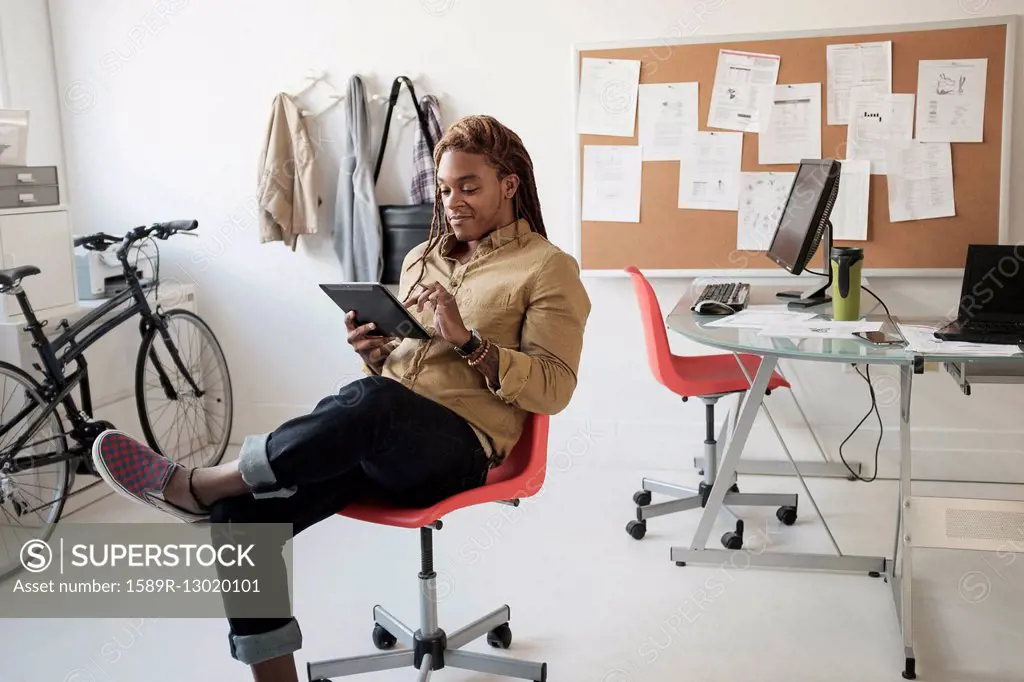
<point>667,112</point>
<point>878,122</point>
<point>850,212</point>
<point>921,182</point>
<point>741,80</point>
<point>607,99</point>
<point>762,196</point>
<point>921,339</point>
<point>759,318</point>
<point>611,183</point>
<point>790,121</point>
<point>852,65</point>
<point>951,100</point>
<point>821,329</point>
<point>709,171</point>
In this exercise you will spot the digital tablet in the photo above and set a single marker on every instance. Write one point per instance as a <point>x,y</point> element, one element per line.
<point>373,302</point>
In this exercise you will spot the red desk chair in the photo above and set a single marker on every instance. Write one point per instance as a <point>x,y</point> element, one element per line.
<point>430,648</point>
<point>708,377</point>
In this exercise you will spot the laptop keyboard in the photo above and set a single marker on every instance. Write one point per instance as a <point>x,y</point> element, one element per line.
<point>997,327</point>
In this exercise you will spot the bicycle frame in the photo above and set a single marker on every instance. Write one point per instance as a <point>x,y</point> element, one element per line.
<point>67,348</point>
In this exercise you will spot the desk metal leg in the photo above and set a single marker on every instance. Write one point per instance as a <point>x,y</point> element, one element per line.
<point>698,553</point>
<point>902,553</point>
<point>813,469</point>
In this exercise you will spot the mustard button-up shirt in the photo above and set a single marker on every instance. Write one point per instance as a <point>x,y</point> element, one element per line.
<point>525,295</point>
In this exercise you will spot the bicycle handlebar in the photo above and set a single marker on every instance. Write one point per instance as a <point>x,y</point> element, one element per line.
<point>101,240</point>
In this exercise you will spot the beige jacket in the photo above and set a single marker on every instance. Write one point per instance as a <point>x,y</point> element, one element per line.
<point>287,193</point>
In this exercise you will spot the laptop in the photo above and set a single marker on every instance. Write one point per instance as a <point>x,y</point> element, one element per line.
<point>991,298</point>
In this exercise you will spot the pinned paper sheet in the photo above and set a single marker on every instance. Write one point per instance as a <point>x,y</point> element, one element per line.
<point>951,100</point>
<point>867,65</point>
<point>762,197</point>
<point>668,111</point>
<point>742,79</point>
<point>790,124</point>
<point>878,122</point>
<point>709,171</point>
<point>850,212</point>
<point>921,182</point>
<point>608,92</point>
<point>611,183</point>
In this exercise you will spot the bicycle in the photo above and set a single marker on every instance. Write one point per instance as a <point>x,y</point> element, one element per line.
<point>171,365</point>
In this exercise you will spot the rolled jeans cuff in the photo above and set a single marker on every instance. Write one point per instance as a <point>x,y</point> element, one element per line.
<point>254,465</point>
<point>253,649</point>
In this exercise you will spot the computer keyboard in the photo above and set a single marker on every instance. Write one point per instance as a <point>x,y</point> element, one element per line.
<point>732,294</point>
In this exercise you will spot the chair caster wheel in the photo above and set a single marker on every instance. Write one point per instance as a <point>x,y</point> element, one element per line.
<point>500,637</point>
<point>642,498</point>
<point>910,673</point>
<point>382,639</point>
<point>786,514</point>
<point>637,529</point>
<point>874,574</point>
<point>734,539</point>
<point>680,563</point>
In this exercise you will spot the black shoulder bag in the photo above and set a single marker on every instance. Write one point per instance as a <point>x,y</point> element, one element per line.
<point>403,226</point>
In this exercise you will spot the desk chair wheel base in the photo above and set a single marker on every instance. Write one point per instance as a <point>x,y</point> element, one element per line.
<point>642,498</point>
<point>637,529</point>
<point>500,637</point>
<point>910,673</point>
<point>734,539</point>
<point>787,515</point>
<point>382,639</point>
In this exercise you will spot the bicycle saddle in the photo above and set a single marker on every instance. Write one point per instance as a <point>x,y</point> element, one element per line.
<point>11,276</point>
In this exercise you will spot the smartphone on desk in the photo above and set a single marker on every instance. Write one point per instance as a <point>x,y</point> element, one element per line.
<point>880,338</point>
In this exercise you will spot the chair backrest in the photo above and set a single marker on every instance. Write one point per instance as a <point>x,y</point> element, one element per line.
<point>528,460</point>
<point>659,354</point>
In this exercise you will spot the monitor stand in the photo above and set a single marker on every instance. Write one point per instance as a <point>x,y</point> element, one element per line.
<point>815,295</point>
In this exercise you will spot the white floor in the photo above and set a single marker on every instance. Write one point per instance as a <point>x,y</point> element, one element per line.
<point>595,604</point>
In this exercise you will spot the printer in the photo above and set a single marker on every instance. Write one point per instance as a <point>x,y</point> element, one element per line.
<point>98,274</point>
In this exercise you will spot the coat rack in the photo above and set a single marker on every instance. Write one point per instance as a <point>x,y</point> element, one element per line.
<point>311,79</point>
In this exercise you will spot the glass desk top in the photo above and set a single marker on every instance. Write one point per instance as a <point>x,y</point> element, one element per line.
<point>682,321</point>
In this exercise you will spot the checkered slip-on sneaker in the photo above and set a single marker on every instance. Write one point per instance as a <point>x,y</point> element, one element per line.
<point>138,472</point>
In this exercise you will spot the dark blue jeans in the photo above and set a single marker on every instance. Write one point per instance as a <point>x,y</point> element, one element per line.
<point>375,437</point>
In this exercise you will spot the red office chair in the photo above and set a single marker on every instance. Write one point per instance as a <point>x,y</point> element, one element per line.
<point>431,648</point>
<point>708,377</point>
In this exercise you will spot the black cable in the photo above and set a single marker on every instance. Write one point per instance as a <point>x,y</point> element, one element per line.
<point>815,272</point>
<point>878,445</point>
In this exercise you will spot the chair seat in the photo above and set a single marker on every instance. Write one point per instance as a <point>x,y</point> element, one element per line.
<point>716,374</point>
<point>520,475</point>
<point>497,488</point>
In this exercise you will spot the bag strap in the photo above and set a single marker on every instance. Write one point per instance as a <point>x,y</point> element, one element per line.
<point>396,88</point>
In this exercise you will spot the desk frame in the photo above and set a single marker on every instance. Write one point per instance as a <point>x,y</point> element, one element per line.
<point>894,571</point>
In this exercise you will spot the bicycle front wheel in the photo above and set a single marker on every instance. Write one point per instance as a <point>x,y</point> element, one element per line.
<point>32,490</point>
<point>184,425</point>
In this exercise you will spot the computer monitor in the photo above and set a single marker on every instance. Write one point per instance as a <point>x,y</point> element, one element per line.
<point>803,224</point>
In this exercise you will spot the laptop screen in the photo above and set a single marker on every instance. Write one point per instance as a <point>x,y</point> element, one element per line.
<point>993,287</point>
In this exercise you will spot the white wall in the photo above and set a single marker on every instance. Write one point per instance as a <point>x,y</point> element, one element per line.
<point>28,81</point>
<point>165,106</point>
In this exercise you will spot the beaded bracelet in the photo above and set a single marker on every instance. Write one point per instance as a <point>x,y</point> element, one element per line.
<point>480,354</point>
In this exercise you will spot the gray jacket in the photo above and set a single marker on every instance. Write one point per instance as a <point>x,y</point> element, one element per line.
<point>357,228</point>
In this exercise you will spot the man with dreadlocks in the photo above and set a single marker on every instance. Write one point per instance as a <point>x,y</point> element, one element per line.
<point>507,311</point>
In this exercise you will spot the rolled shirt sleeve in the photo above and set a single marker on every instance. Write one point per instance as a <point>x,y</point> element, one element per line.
<point>541,376</point>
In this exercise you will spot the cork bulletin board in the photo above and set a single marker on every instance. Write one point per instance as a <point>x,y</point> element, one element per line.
<point>672,241</point>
